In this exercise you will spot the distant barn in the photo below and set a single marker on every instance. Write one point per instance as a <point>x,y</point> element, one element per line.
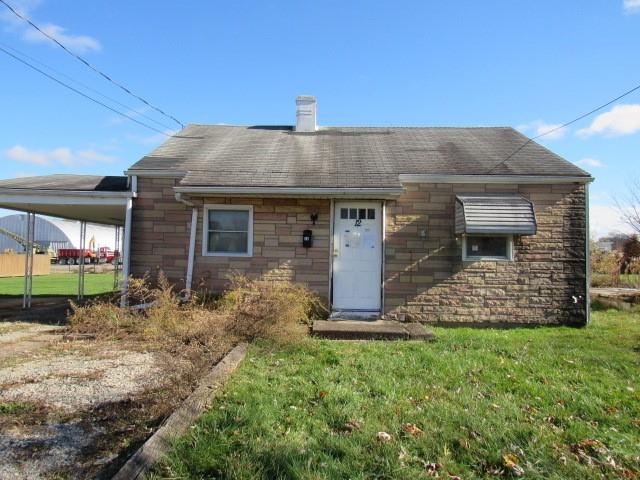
<point>53,233</point>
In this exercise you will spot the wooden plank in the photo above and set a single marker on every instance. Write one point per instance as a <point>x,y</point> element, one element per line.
<point>179,422</point>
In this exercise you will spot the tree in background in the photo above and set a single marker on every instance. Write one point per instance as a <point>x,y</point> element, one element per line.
<point>629,206</point>
<point>630,254</point>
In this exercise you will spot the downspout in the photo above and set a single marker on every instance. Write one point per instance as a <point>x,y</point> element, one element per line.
<point>192,242</point>
<point>126,244</point>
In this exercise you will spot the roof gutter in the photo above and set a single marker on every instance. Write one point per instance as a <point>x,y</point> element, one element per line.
<point>315,192</point>
<point>521,179</point>
<point>155,173</point>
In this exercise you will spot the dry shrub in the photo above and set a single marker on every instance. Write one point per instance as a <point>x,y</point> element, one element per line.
<point>279,311</point>
<point>247,310</point>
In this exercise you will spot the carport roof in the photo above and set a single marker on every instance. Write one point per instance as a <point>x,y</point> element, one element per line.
<point>76,183</point>
<point>92,198</point>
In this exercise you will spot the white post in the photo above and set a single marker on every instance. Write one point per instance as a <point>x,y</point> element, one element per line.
<point>81,259</point>
<point>28,261</point>
<point>192,248</point>
<point>125,252</point>
<point>116,260</point>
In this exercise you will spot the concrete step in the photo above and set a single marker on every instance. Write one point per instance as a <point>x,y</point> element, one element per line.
<point>370,330</point>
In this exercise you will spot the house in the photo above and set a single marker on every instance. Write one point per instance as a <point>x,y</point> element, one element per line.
<point>437,225</point>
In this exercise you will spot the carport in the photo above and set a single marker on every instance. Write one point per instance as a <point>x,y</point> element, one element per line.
<point>97,199</point>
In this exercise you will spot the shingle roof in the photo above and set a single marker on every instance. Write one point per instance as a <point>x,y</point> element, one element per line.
<point>358,157</point>
<point>80,183</point>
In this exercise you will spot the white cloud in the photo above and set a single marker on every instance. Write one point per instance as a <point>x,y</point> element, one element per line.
<point>76,43</point>
<point>540,127</point>
<point>620,120</point>
<point>21,154</point>
<point>590,162</point>
<point>631,6</point>
<point>60,156</point>
<point>604,219</point>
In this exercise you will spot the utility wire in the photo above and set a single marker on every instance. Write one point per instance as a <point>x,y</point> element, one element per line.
<point>577,119</point>
<point>85,62</point>
<point>71,79</point>
<point>88,97</point>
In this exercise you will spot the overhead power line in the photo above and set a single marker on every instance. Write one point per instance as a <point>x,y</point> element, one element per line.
<point>564,125</point>
<point>87,87</point>
<point>85,62</point>
<point>88,97</point>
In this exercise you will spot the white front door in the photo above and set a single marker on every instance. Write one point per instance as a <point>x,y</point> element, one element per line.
<point>357,256</point>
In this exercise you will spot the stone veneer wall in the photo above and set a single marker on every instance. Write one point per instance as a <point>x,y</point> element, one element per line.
<point>426,280</point>
<point>160,239</point>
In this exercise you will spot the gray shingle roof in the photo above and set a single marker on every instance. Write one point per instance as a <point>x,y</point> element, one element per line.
<point>80,183</point>
<point>359,157</point>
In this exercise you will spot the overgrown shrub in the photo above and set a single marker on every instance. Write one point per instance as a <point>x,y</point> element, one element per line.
<point>275,310</point>
<point>248,309</point>
<point>605,268</point>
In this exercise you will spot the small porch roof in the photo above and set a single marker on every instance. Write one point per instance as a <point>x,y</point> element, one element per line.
<point>92,198</point>
<point>510,214</point>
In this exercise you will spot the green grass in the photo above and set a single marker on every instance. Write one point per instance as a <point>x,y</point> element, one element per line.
<point>13,408</point>
<point>626,280</point>
<point>58,284</point>
<point>564,401</point>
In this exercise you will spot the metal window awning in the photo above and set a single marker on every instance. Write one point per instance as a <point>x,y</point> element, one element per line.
<point>485,213</point>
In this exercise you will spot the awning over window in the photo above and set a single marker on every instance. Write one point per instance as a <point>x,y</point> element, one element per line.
<point>486,213</point>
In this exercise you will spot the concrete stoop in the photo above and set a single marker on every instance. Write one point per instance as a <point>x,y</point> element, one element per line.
<point>376,330</point>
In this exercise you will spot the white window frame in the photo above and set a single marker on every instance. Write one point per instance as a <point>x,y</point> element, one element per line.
<point>477,258</point>
<point>205,230</point>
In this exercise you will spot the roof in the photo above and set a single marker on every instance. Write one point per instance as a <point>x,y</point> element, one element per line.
<point>345,157</point>
<point>92,198</point>
<point>486,213</point>
<point>76,183</point>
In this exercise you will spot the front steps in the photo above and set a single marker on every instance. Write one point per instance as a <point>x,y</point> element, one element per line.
<point>370,330</point>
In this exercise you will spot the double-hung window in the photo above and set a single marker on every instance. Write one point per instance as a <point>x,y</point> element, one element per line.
<point>228,230</point>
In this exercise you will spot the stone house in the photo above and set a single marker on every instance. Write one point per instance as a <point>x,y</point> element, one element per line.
<point>437,225</point>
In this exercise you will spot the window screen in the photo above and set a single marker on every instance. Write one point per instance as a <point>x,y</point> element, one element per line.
<point>486,246</point>
<point>228,231</point>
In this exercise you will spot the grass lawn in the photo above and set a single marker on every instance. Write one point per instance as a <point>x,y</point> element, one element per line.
<point>559,403</point>
<point>62,284</point>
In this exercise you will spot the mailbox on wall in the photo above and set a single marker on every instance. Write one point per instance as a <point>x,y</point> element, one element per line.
<point>307,239</point>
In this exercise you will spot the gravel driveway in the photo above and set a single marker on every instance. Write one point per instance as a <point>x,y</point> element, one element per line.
<point>58,399</point>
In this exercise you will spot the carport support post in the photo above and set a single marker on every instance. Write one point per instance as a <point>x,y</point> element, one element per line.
<point>28,260</point>
<point>116,259</point>
<point>126,245</point>
<point>81,259</point>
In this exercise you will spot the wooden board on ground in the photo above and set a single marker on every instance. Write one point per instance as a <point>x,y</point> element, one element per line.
<point>158,445</point>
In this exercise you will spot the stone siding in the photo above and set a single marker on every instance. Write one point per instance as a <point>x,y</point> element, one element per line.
<point>426,280</point>
<point>161,228</point>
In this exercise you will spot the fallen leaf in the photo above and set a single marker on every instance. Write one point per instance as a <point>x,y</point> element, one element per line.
<point>352,425</point>
<point>383,437</point>
<point>411,428</point>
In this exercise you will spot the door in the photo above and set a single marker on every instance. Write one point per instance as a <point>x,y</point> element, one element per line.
<point>357,256</point>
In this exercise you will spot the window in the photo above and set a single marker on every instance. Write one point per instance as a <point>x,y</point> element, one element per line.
<point>487,247</point>
<point>228,230</point>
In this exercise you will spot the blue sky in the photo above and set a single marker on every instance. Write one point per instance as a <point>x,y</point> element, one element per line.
<point>530,65</point>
